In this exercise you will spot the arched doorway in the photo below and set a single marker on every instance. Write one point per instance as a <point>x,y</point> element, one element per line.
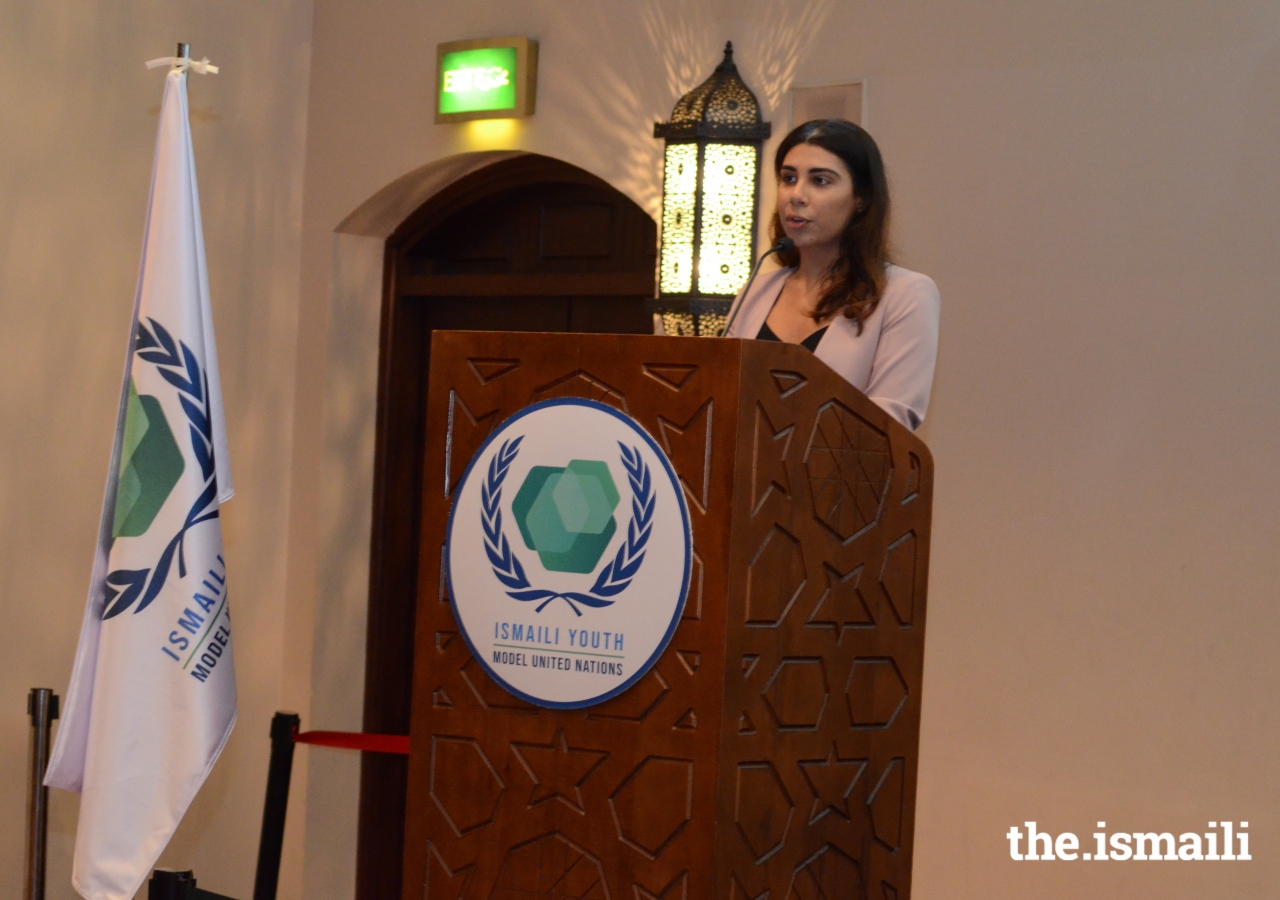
<point>529,243</point>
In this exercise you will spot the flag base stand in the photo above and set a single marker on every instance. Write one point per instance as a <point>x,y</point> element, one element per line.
<point>168,884</point>
<point>42,706</point>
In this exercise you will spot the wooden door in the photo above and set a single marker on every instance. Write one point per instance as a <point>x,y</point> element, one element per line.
<point>528,244</point>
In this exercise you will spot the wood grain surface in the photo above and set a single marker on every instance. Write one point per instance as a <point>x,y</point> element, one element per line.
<point>772,750</point>
<point>527,244</point>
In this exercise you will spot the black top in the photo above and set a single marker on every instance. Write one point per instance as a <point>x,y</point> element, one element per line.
<point>810,343</point>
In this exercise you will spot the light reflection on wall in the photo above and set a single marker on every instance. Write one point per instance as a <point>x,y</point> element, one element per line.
<point>685,36</point>
<point>618,103</point>
<point>780,36</point>
<point>492,134</point>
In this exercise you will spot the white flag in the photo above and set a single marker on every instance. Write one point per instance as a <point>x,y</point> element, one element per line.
<point>153,697</point>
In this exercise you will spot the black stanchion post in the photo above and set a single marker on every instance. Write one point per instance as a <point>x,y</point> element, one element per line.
<point>283,727</point>
<point>178,884</point>
<point>42,706</point>
<point>170,884</point>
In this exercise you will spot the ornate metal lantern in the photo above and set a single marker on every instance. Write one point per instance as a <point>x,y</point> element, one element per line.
<point>710,186</point>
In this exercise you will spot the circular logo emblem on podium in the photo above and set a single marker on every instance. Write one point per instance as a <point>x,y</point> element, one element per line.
<point>568,553</point>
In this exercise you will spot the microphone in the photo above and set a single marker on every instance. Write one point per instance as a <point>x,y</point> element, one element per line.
<point>783,246</point>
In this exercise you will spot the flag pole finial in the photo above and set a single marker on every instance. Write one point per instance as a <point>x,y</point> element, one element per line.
<point>183,62</point>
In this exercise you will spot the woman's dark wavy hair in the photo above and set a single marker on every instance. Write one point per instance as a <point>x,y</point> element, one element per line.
<point>857,279</point>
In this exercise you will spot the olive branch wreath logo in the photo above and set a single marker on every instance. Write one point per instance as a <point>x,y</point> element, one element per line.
<point>613,579</point>
<point>177,365</point>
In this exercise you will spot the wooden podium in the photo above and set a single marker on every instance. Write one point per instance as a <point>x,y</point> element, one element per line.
<point>772,750</point>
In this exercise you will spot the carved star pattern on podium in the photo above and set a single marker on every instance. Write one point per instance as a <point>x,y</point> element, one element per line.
<point>688,445</point>
<point>489,370</point>
<point>678,889</point>
<point>768,464</point>
<point>841,605</point>
<point>693,602</point>
<point>550,866</point>
<point>690,659</point>
<point>441,880</point>
<point>467,432</point>
<point>849,470</point>
<point>579,383</point>
<point>558,770</point>
<point>818,480</point>
<point>832,781</point>
<point>738,892</point>
<point>828,874</point>
<point>788,382</point>
<point>898,576</point>
<point>671,375</point>
<point>637,702</point>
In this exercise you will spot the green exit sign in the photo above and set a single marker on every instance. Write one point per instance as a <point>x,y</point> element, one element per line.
<point>493,78</point>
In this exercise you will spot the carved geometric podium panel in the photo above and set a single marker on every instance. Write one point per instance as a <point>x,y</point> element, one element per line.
<point>772,750</point>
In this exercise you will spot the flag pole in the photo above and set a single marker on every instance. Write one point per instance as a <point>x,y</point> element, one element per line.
<point>150,707</point>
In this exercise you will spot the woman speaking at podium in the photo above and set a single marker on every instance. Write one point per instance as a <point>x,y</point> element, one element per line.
<point>838,294</point>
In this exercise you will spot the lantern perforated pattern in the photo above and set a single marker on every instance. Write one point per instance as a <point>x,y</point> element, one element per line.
<point>679,324</point>
<point>709,197</point>
<point>689,325</point>
<point>728,201</point>
<point>679,190</point>
<point>722,106</point>
<point>733,106</point>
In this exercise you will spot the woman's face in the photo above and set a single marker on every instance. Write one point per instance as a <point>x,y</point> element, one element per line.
<point>815,196</point>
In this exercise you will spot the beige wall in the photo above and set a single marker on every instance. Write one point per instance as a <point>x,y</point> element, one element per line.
<point>1094,189</point>
<point>79,114</point>
<point>1093,186</point>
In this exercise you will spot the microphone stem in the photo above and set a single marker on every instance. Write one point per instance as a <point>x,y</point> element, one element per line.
<point>742,298</point>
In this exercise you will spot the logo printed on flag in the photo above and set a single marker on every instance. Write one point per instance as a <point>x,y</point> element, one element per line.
<point>151,466</point>
<point>152,698</point>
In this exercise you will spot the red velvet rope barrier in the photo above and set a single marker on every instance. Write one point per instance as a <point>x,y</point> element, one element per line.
<point>350,740</point>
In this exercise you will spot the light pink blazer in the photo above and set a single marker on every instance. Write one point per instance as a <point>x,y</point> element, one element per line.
<point>891,361</point>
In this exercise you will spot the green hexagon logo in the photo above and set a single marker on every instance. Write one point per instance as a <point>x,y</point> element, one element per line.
<point>565,514</point>
<point>150,465</point>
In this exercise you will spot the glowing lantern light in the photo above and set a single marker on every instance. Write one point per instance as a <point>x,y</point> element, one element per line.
<point>710,185</point>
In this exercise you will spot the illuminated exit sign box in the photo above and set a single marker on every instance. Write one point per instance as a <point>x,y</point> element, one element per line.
<point>493,78</point>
